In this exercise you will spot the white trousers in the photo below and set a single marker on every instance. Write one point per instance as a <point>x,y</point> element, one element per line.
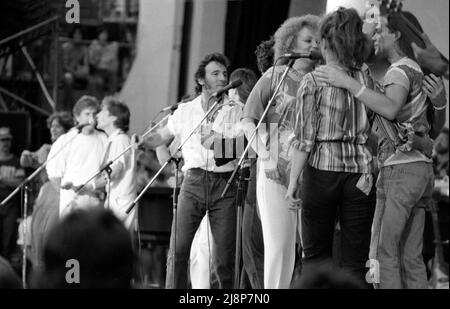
<point>279,226</point>
<point>201,256</point>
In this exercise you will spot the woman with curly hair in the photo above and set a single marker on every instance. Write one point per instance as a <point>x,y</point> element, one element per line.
<point>279,223</point>
<point>331,150</point>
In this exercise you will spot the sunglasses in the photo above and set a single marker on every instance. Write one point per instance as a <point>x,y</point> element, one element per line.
<point>7,139</point>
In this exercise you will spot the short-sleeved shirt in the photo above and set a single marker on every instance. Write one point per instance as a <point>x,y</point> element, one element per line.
<point>280,118</point>
<point>195,155</point>
<point>412,117</point>
<point>333,126</point>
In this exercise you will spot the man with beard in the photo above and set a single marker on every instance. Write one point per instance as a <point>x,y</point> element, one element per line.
<point>203,180</point>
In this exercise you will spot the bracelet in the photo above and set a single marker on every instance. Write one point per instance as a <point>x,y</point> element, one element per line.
<point>360,92</point>
<point>440,107</point>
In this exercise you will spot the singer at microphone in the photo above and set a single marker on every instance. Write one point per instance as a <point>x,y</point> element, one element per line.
<point>203,179</point>
<point>313,55</point>
<point>77,156</point>
<point>233,84</point>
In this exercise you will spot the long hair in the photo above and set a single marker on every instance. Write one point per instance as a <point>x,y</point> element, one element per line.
<point>397,24</point>
<point>264,55</point>
<point>342,31</point>
<point>248,78</point>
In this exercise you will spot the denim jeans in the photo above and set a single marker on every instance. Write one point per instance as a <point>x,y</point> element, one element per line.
<point>403,192</point>
<point>200,192</point>
<point>328,197</point>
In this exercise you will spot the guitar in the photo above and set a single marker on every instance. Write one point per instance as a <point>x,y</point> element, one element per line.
<point>439,269</point>
<point>393,9</point>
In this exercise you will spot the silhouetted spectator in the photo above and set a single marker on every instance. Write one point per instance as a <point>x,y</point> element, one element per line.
<point>98,242</point>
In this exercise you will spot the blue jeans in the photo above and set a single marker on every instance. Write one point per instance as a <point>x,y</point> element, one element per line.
<point>403,192</point>
<point>328,197</point>
<point>200,192</point>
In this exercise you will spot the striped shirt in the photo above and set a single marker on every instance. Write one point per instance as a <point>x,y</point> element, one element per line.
<point>333,125</point>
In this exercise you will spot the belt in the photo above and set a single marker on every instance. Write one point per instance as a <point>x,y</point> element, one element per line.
<point>201,172</point>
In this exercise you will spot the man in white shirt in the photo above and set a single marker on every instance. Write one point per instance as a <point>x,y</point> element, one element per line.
<point>76,156</point>
<point>203,180</point>
<point>114,119</point>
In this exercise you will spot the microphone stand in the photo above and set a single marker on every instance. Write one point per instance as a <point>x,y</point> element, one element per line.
<point>247,148</point>
<point>171,158</point>
<point>37,171</point>
<point>244,177</point>
<point>244,174</point>
<point>107,167</point>
<point>25,199</point>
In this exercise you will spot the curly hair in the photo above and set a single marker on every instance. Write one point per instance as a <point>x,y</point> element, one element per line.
<point>342,30</point>
<point>287,33</point>
<point>200,73</point>
<point>264,54</point>
<point>65,119</point>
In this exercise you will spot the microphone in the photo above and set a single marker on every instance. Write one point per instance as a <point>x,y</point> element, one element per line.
<point>81,126</point>
<point>233,84</point>
<point>314,55</point>
<point>171,108</point>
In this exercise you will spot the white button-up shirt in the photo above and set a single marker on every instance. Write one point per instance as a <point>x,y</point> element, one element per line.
<point>123,184</point>
<point>182,122</point>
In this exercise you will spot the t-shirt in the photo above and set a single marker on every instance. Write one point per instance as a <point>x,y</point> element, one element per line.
<point>412,117</point>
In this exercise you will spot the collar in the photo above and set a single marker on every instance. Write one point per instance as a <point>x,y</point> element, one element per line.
<point>116,132</point>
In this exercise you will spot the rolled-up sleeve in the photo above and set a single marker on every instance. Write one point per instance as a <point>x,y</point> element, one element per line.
<point>306,116</point>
